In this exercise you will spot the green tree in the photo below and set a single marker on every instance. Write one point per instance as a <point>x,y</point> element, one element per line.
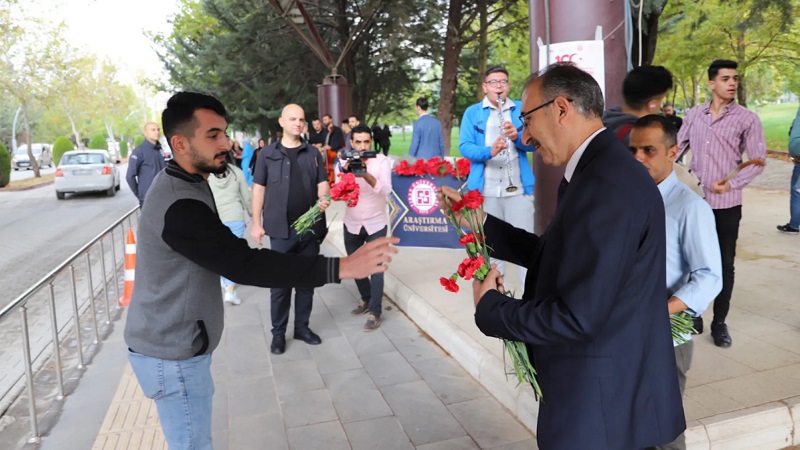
<point>138,140</point>
<point>98,142</point>
<point>61,145</point>
<point>461,31</point>
<point>5,166</point>
<point>754,33</point>
<point>123,148</point>
<point>29,60</point>
<point>215,48</point>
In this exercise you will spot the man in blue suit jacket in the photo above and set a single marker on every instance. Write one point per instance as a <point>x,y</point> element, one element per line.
<point>426,139</point>
<point>594,311</point>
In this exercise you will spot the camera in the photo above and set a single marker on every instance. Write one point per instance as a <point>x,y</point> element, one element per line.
<point>355,159</point>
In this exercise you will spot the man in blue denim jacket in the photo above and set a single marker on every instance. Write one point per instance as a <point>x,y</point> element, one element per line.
<point>793,227</point>
<point>500,169</point>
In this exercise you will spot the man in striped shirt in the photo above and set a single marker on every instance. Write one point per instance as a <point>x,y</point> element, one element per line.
<point>719,133</point>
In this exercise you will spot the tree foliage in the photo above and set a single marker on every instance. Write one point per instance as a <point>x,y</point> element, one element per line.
<point>256,65</point>
<point>761,36</point>
<point>123,148</point>
<point>463,30</point>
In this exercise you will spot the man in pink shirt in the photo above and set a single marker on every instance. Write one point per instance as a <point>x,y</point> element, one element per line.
<point>366,221</point>
<point>719,133</point>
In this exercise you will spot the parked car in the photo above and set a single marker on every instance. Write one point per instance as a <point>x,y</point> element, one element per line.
<point>86,171</point>
<point>42,152</point>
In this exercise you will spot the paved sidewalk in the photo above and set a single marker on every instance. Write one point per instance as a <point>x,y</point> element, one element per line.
<point>396,389</point>
<point>390,389</point>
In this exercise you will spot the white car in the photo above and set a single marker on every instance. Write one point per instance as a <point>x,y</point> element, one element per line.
<point>86,171</point>
<point>41,152</point>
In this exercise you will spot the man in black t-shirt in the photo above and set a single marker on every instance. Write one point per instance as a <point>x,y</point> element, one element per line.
<point>289,179</point>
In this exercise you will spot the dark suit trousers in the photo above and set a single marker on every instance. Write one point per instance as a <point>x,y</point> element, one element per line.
<point>370,289</point>
<point>728,231</point>
<point>281,298</point>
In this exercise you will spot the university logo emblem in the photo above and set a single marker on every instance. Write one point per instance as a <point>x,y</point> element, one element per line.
<point>422,197</point>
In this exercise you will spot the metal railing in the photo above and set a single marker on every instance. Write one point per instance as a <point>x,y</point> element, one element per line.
<point>32,362</point>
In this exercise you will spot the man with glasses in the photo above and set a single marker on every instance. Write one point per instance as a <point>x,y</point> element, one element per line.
<point>593,311</point>
<point>490,138</point>
<point>295,173</point>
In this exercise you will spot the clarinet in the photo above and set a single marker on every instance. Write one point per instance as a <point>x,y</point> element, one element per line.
<point>507,150</point>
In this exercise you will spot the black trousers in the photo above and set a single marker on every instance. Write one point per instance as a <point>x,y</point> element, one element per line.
<point>370,289</point>
<point>727,221</point>
<point>281,298</point>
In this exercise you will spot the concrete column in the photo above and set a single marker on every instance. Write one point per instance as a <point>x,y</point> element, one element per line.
<point>334,97</point>
<point>574,20</point>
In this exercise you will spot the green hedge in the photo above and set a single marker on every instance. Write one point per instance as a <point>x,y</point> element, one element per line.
<point>123,148</point>
<point>137,141</point>
<point>60,146</point>
<point>98,142</point>
<point>5,166</point>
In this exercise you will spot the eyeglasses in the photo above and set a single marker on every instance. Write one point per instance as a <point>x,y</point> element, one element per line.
<point>494,83</point>
<point>528,113</point>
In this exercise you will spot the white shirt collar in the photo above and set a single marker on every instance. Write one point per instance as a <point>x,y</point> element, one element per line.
<point>508,104</point>
<point>573,160</point>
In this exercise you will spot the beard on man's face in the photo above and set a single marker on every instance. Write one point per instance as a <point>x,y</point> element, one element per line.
<point>211,166</point>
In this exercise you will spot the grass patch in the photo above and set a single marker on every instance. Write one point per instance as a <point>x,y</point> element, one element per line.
<point>400,146</point>
<point>777,119</point>
<point>28,183</point>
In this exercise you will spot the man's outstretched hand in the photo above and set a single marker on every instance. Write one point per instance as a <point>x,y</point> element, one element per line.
<point>372,257</point>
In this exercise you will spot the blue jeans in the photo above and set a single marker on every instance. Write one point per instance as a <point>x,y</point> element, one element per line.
<point>237,228</point>
<point>794,198</point>
<point>183,392</point>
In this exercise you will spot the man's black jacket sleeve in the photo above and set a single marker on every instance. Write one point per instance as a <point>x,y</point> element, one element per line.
<point>192,229</point>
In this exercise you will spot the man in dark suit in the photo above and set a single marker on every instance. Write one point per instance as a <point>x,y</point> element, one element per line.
<point>427,140</point>
<point>593,312</point>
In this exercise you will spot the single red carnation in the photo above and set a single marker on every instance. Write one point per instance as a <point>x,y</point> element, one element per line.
<point>462,168</point>
<point>402,169</point>
<point>449,284</point>
<point>473,199</point>
<point>467,238</point>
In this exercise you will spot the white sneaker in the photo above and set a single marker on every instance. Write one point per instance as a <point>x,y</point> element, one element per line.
<point>235,297</point>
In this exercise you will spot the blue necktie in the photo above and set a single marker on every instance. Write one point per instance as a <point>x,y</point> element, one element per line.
<point>562,188</point>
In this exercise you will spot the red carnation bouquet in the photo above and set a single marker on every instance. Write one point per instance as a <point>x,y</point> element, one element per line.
<point>435,167</point>
<point>476,265</point>
<point>345,190</point>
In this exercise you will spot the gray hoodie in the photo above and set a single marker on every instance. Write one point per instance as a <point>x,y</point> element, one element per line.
<point>231,195</point>
<point>614,119</point>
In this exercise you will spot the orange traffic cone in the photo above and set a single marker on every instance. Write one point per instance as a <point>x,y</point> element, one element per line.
<point>130,268</point>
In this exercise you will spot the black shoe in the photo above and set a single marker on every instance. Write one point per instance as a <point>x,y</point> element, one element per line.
<point>307,336</point>
<point>788,229</point>
<point>278,344</point>
<point>697,324</point>
<point>719,332</point>
<point>362,308</point>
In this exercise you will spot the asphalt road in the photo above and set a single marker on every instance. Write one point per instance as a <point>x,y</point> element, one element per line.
<point>38,232</point>
<point>23,174</point>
